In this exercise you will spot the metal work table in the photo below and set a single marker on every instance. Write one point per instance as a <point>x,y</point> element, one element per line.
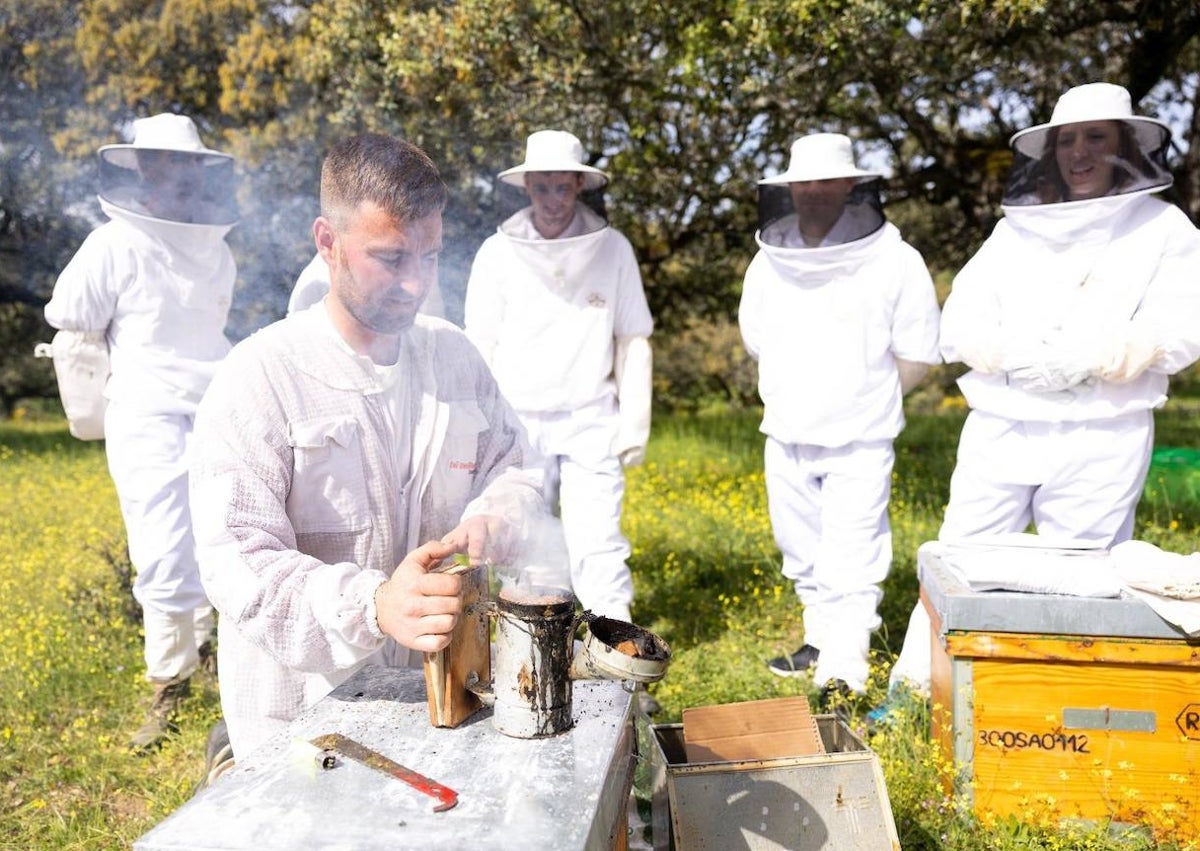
<point>564,792</point>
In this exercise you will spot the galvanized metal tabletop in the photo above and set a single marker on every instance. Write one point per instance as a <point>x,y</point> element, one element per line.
<point>563,792</point>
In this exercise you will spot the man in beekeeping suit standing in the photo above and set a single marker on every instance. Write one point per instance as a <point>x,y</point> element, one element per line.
<point>841,315</point>
<point>152,288</point>
<point>555,304</point>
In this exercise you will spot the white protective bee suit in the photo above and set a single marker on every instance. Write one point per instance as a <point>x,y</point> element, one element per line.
<point>157,292</point>
<point>315,473</point>
<point>827,326</point>
<point>563,324</point>
<point>1072,316</point>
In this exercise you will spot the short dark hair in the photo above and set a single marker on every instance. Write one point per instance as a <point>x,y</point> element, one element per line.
<point>385,170</point>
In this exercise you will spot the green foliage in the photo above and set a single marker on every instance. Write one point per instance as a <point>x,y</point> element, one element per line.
<point>21,375</point>
<point>687,109</point>
<point>704,363</point>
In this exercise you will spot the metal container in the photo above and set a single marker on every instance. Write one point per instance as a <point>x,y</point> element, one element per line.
<point>531,665</point>
<point>955,606</point>
<point>619,650</point>
<point>834,801</point>
<point>535,659</point>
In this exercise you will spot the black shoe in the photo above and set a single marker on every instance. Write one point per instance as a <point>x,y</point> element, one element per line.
<point>798,664</point>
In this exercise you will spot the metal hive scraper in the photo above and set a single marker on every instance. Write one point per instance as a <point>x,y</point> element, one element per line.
<point>339,744</point>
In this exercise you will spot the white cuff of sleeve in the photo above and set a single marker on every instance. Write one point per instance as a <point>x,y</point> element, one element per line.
<point>366,593</point>
<point>342,597</point>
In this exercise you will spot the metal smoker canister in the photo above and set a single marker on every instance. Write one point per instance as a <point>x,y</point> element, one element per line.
<point>531,667</point>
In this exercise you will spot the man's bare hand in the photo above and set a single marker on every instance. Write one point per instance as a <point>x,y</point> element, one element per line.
<point>418,608</point>
<point>485,538</point>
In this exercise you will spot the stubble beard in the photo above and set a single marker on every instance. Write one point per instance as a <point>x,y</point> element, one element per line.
<point>371,315</point>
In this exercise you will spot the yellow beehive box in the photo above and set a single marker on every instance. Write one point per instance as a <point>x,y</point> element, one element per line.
<point>1064,707</point>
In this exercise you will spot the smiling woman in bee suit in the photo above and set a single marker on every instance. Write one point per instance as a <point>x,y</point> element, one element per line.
<point>555,304</point>
<point>841,316</point>
<point>153,287</point>
<point>1071,316</point>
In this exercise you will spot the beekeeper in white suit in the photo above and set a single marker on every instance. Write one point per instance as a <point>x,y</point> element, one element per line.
<point>1072,316</point>
<point>555,304</point>
<point>345,451</point>
<point>841,315</point>
<point>153,286</point>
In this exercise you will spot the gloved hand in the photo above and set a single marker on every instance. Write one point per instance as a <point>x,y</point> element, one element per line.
<point>1130,359</point>
<point>633,456</point>
<point>632,369</point>
<point>1052,370</point>
<point>911,374</point>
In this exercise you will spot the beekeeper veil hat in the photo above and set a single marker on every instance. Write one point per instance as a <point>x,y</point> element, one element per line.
<point>551,151</point>
<point>1074,157</point>
<point>822,192</point>
<point>554,150</point>
<point>167,173</point>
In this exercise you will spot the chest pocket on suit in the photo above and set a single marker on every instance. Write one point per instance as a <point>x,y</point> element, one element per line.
<point>459,458</point>
<point>329,489</point>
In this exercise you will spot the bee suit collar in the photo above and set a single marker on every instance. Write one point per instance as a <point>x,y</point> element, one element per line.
<point>559,263</point>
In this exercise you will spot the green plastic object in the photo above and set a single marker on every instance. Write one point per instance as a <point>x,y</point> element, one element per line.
<point>1174,475</point>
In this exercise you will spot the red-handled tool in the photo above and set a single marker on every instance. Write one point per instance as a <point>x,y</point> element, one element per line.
<point>338,744</point>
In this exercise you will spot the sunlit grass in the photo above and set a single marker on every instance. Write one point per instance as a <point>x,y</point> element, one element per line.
<point>71,685</point>
<point>707,576</point>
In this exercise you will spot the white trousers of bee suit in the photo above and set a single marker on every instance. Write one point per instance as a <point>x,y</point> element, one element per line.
<point>828,509</point>
<point>1076,481</point>
<point>578,448</point>
<point>147,459</point>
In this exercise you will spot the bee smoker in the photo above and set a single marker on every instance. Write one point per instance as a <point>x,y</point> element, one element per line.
<point>535,659</point>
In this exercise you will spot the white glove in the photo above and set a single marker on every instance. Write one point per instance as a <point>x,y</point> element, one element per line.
<point>1048,377</point>
<point>1052,368</point>
<point>632,369</point>
<point>911,374</point>
<point>633,456</point>
<point>1130,359</point>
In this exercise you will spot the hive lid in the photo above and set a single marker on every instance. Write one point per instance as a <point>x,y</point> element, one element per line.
<point>959,608</point>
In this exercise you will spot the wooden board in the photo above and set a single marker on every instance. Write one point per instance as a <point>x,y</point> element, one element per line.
<point>468,655</point>
<point>1067,648</point>
<point>754,729</point>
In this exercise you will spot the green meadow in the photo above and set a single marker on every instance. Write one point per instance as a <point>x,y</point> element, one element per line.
<point>707,579</point>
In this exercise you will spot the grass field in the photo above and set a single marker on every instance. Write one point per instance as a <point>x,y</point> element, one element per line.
<point>707,579</point>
